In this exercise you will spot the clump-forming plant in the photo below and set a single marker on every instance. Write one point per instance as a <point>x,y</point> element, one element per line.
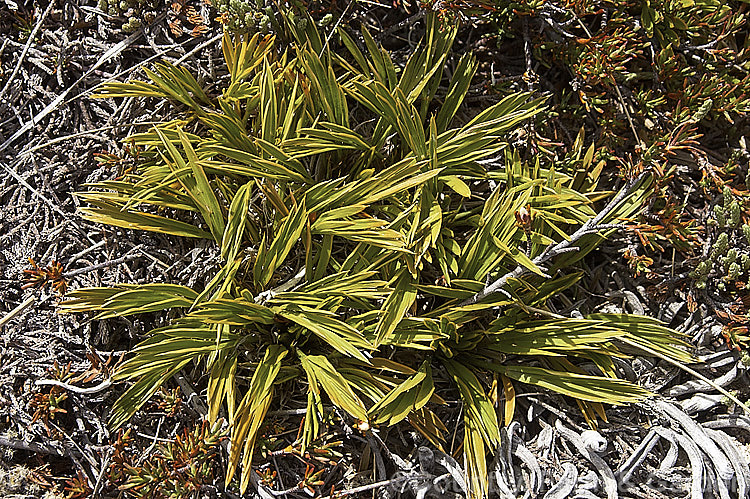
<point>371,241</point>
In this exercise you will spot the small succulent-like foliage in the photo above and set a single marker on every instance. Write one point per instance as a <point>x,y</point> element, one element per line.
<point>183,17</point>
<point>727,261</point>
<point>179,468</point>
<point>136,12</point>
<point>40,277</point>
<point>244,16</point>
<point>359,222</point>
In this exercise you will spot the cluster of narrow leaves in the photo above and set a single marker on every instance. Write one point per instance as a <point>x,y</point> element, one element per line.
<point>659,83</point>
<point>357,219</point>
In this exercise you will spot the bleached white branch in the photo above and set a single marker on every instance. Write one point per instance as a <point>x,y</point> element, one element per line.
<point>267,295</point>
<point>591,226</point>
<point>75,389</point>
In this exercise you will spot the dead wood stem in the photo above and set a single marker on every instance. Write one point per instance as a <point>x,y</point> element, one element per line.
<point>591,226</point>
<point>26,47</point>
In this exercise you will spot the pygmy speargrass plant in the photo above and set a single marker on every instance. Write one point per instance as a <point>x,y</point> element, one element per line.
<point>371,241</point>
